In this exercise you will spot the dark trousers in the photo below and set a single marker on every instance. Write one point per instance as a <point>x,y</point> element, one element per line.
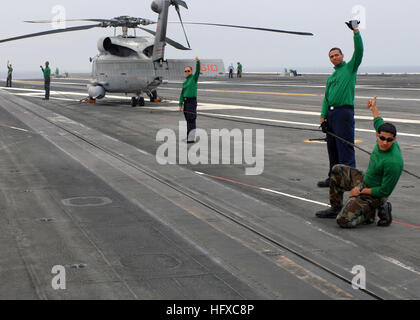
<point>341,123</point>
<point>231,74</point>
<point>9,81</point>
<point>190,113</point>
<point>47,85</point>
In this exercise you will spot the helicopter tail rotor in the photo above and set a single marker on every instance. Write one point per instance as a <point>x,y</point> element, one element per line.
<point>178,3</point>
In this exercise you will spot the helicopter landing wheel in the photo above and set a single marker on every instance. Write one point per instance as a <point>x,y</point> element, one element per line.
<point>134,101</point>
<point>141,102</point>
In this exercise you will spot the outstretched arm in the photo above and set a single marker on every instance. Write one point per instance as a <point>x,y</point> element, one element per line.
<point>357,58</point>
<point>372,107</point>
<point>355,192</point>
<point>198,69</point>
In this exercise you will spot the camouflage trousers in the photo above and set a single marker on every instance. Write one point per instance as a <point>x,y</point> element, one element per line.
<point>358,210</point>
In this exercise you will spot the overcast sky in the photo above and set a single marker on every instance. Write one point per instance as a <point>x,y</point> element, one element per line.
<point>391,34</point>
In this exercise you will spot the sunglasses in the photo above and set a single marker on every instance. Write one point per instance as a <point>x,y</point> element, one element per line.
<point>187,71</point>
<point>387,139</point>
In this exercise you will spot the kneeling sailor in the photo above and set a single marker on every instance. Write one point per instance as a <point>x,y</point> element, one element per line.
<point>369,191</point>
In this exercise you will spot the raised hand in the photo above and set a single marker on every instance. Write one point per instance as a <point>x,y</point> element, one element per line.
<point>372,107</point>
<point>353,24</point>
<point>372,104</point>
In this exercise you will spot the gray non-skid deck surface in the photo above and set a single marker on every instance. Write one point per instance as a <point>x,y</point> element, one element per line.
<point>208,256</point>
<point>128,253</point>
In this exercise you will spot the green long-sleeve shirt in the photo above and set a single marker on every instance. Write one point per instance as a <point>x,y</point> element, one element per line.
<point>342,83</point>
<point>9,70</point>
<point>189,87</point>
<point>47,73</point>
<point>385,168</point>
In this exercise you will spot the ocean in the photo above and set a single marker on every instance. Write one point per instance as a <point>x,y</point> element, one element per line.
<point>328,70</point>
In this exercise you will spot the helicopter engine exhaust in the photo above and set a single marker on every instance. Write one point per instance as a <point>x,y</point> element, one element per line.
<point>101,45</point>
<point>96,92</point>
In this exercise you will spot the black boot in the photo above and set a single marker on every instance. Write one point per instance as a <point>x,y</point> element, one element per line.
<point>330,213</point>
<point>384,215</point>
<point>324,183</point>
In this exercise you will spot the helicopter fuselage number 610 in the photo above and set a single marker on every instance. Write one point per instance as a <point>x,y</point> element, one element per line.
<point>209,67</point>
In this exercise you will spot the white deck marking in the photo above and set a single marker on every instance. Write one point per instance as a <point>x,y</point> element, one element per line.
<point>293,84</point>
<point>295,197</point>
<point>297,123</point>
<point>296,94</point>
<point>208,106</point>
<point>301,112</point>
<point>399,264</point>
<point>36,82</point>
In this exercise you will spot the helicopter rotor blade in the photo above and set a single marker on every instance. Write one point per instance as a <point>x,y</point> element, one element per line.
<point>65,20</point>
<point>124,21</point>
<point>251,28</point>
<point>52,32</point>
<point>168,40</point>
<point>180,20</point>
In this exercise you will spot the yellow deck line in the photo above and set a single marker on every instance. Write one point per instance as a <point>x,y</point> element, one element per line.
<point>273,93</point>
<point>29,81</point>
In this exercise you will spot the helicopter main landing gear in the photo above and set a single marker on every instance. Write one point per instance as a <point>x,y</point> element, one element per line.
<point>137,101</point>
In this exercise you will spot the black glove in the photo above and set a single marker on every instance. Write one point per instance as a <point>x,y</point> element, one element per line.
<point>353,24</point>
<point>324,127</point>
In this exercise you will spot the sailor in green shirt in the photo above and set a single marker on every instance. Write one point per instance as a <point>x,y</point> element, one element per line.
<point>47,80</point>
<point>239,68</point>
<point>337,115</point>
<point>9,75</point>
<point>368,191</point>
<point>188,99</point>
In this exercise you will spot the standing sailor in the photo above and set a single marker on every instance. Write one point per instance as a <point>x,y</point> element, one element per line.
<point>188,99</point>
<point>231,68</point>
<point>9,75</point>
<point>239,75</point>
<point>47,80</point>
<point>337,114</point>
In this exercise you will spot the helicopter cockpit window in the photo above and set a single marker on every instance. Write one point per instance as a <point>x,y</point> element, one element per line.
<point>117,50</point>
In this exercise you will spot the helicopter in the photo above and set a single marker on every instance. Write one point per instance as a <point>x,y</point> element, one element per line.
<point>137,65</point>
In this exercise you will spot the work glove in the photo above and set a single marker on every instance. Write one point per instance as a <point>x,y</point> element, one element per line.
<point>353,24</point>
<point>324,127</point>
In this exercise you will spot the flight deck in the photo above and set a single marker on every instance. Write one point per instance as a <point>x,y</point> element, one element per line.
<point>81,187</point>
